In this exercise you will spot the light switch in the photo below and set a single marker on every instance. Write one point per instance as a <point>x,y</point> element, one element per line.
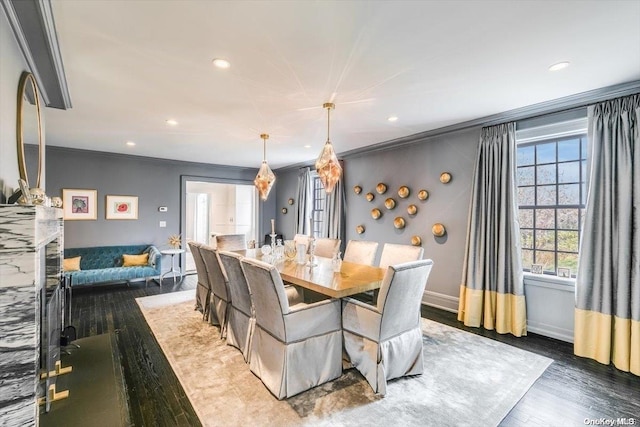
<point>163,224</point>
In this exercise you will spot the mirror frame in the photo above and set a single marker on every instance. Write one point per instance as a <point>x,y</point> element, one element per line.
<point>25,79</point>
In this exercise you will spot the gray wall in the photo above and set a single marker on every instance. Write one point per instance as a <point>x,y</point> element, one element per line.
<point>11,66</point>
<point>156,182</point>
<point>417,166</point>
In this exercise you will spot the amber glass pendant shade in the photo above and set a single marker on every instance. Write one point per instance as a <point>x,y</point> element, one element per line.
<point>265,178</point>
<point>327,165</point>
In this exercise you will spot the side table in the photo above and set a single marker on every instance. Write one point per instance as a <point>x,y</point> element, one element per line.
<point>174,267</point>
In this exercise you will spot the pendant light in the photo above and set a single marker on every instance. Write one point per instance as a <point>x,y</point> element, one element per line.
<point>327,165</point>
<point>265,178</point>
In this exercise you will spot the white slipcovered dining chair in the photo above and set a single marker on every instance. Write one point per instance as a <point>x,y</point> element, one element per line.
<point>397,254</point>
<point>241,318</point>
<point>230,242</point>
<point>361,252</point>
<point>326,247</point>
<point>385,341</point>
<point>220,298</point>
<point>294,348</point>
<point>203,288</point>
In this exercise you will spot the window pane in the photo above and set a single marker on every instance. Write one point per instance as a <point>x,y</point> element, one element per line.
<point>569,194</point>
<point>526,176</point>
<point>545,218</point>
<point>583,143</point>
<point>568,260</point>
<point>545,239</point>
<point>525,218</point>
<point>583,172</point>
<point>583,195</point>
<point>526,239</point>
<point>546,174</point>
<point>569,150</point>
<point>568,241</point>
<point>569,172</point>
<point>546,195</point>
<point>546,153</point>
<point>526,155</point>
<point>568,218</point>
<point>527,259</point>
<point>547,259</point>
<point>526,196</point>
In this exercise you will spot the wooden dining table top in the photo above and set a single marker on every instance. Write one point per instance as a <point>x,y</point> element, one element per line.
<point>352,278</point>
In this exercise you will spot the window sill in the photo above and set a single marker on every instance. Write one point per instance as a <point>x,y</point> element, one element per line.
<point>546,280</point>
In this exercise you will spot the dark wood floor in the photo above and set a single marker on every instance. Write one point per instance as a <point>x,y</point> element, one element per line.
<point>570,391</point>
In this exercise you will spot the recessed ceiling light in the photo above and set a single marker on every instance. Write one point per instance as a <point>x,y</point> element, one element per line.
<point>172,122</point>
<point>393,118</point>
<point>307,146</point>
<point>131,143</point>
<point>221,63</point>
<point>559,66</point>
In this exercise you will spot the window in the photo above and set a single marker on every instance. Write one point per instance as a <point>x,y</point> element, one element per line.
<point>551,177</point>
<point>318,200</point>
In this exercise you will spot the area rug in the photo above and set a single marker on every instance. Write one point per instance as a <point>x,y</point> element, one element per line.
<point>468,381</point>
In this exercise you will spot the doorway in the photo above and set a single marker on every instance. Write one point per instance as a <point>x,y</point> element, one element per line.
<point>218,208</point>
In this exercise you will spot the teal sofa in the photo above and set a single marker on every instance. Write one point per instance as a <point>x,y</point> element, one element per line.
<point>103,264</point>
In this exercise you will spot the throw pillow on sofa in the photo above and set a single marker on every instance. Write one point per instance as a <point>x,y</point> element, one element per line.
<point>135,260</point>
<point>71,264</point>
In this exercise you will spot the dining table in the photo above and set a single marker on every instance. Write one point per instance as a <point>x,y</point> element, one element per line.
<point>321,278</point>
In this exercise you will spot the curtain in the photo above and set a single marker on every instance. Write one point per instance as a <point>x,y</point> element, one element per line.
<point>333,225</point>
<point>607,313</point>
<point>492,289</point>
<point>303,211</point>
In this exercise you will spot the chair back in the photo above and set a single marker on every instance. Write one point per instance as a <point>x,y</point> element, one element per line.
<point>399,254</point>
<point>361,252</point>
<point>217,276</point>
<point>231,242</point>
<point>269,297</point>
<point>301,239</point>
<point>240,295</point>
<point>401,295</point>
<point>201,270</point>
<point>327,248</point>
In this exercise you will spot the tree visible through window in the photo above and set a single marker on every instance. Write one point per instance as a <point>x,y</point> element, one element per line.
<point>551,178</point>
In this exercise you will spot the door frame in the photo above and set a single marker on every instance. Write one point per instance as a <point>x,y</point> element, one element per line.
<point>213,180</point>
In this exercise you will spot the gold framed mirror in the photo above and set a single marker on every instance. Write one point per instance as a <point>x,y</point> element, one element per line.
<point>29,128</point>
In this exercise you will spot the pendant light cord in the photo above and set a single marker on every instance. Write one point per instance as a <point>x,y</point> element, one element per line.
<point>328,123</point>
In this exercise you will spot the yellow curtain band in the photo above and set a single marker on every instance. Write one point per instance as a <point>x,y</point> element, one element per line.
<point>607,338</point>
<point>506,313</point>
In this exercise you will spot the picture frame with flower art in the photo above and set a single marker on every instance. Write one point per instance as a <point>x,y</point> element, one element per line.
<point>79,204</point>
<point>121,207</point>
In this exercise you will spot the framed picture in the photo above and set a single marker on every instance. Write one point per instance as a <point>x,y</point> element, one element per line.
<point>79,204</point>
<point>122,207</point>
<point>564,272</point>
<point>536,268</point>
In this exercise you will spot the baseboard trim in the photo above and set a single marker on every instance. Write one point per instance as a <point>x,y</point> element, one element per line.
<point>441,301</point>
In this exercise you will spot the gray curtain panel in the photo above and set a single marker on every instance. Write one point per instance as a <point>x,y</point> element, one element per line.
<point>492,289</point>
<point>333,226</point>
<point>303,211</point>
<point>607,315</point>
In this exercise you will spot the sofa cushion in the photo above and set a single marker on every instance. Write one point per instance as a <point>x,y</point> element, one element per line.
<point>135,260</point>
<point>103,256</point>
<point>114,274</point>
<point>71,264</point>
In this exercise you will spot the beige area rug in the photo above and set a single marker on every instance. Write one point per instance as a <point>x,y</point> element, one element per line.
<point>468,381</point>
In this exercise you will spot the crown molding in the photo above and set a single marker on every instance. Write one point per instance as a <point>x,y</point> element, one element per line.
<point>35,32</point>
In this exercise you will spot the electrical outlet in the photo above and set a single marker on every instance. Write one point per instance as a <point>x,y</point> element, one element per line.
<point>163,224</point>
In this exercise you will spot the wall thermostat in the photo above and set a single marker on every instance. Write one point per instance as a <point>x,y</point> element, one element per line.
<point>162,209</point>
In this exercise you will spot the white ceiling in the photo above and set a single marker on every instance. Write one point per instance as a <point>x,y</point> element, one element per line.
<point>131,65</point>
